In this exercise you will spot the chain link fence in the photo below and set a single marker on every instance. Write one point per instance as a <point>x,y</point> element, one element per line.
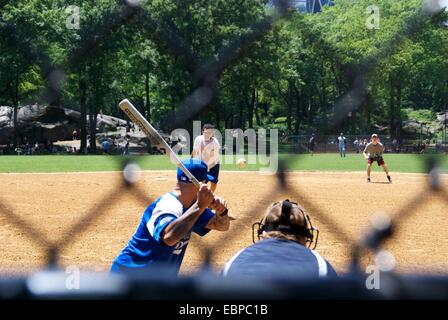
<point>51,282</point>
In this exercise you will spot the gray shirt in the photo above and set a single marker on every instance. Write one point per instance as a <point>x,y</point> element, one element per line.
<point>374,150</point>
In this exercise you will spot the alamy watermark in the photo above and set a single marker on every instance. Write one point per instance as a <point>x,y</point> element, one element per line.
<point>373,20</point>
<point>261,146</point>
<point>373,280</point>
<point>73,279</point>
<point>384,262</point>
<point>72,21</point>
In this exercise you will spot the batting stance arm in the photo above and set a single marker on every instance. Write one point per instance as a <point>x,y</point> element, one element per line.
<point>196,147</point>
<point>365,153</point>
<point>220,222</point>
<point>178,228</point>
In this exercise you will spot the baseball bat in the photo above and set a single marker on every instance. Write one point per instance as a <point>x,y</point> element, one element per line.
<point>156,139</point>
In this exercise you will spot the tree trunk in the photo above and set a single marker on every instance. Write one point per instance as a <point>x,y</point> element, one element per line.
<point>256,110</point>
<point>251,107</point>
<point>324,100</point>
<point>82,103</point>
<point>228,121</point>
<point>16,107</point>
<point>97,103</point>
<point>309,109</point>
<point>217,112</point>
<point>289,108</point>
<point>148,105</point>
<point>398,124</point>
<point>92,117</point>
<point>298,106</point>
<point>392,107</point>
<point>337,80</point>
<point>241,114</point>
<point>222,108</point>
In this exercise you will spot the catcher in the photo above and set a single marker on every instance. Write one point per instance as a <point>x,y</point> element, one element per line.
<point>286,235</point>
<point>374,152</point>
<point>166,226</point>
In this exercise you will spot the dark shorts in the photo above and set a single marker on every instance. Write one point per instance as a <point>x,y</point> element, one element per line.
<point>214,172</point>
<point>378,160</point>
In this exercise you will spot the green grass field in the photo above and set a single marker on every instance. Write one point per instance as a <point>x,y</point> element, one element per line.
<point>318,162</point>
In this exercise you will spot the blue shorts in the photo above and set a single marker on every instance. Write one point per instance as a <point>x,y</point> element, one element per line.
<point>214,172</point>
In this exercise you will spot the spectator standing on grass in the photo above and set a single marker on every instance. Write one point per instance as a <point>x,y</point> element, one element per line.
<point>394,145</point>
<point>342,145</point>
<point>29,148</point>
<point>439,146</point>
<point>126,147</point>
<point>356,145</point>
<point>364,143</point>
<point>423,147</point>
<point>312,144</point>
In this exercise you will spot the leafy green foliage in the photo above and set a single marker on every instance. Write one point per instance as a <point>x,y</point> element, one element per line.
<point>298,71</point>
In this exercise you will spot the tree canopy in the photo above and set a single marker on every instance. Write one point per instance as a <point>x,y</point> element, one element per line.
<point>293,73</point>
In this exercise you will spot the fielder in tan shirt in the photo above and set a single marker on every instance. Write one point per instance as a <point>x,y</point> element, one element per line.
<point>374,152</point>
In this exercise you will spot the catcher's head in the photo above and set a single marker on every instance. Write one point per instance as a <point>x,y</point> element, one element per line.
<point>286,220</point>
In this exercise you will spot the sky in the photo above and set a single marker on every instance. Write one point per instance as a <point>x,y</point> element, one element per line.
<point>444,3</point>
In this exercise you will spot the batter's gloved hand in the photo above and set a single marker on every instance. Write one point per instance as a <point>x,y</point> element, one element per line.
<point>205,196</point>
<point>220,206</point>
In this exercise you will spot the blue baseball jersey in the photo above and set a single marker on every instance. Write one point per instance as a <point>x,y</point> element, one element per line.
<point>147,248</point>
<point>271,258</point>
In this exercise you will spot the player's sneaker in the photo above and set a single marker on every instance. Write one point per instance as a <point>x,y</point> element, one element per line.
<point>389,178</point>
<point>368,179</point>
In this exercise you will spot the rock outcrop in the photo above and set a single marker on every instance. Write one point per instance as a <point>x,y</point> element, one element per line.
<point>36,123</point>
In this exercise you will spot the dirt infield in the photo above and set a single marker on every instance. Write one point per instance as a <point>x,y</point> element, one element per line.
<point>54,202</point>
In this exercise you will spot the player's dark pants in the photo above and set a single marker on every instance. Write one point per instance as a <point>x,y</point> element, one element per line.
<point>214,172</point>
<point>379,160</point>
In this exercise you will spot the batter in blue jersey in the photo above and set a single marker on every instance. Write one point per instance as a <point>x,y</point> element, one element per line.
<point>166,226</point>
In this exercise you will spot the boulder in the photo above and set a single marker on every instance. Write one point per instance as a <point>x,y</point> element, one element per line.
<point>137,139</point>
<point>46,123</point>
<point>35,113</point>
<point>442,118</point>
<point>6,135</point>
<point>5,116</point>
<point>4,121</point>
<point>42,123</point>
<point>5,111</point>
<point>58,130</point>
<point>108,123</point>
<point>411,126</point>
